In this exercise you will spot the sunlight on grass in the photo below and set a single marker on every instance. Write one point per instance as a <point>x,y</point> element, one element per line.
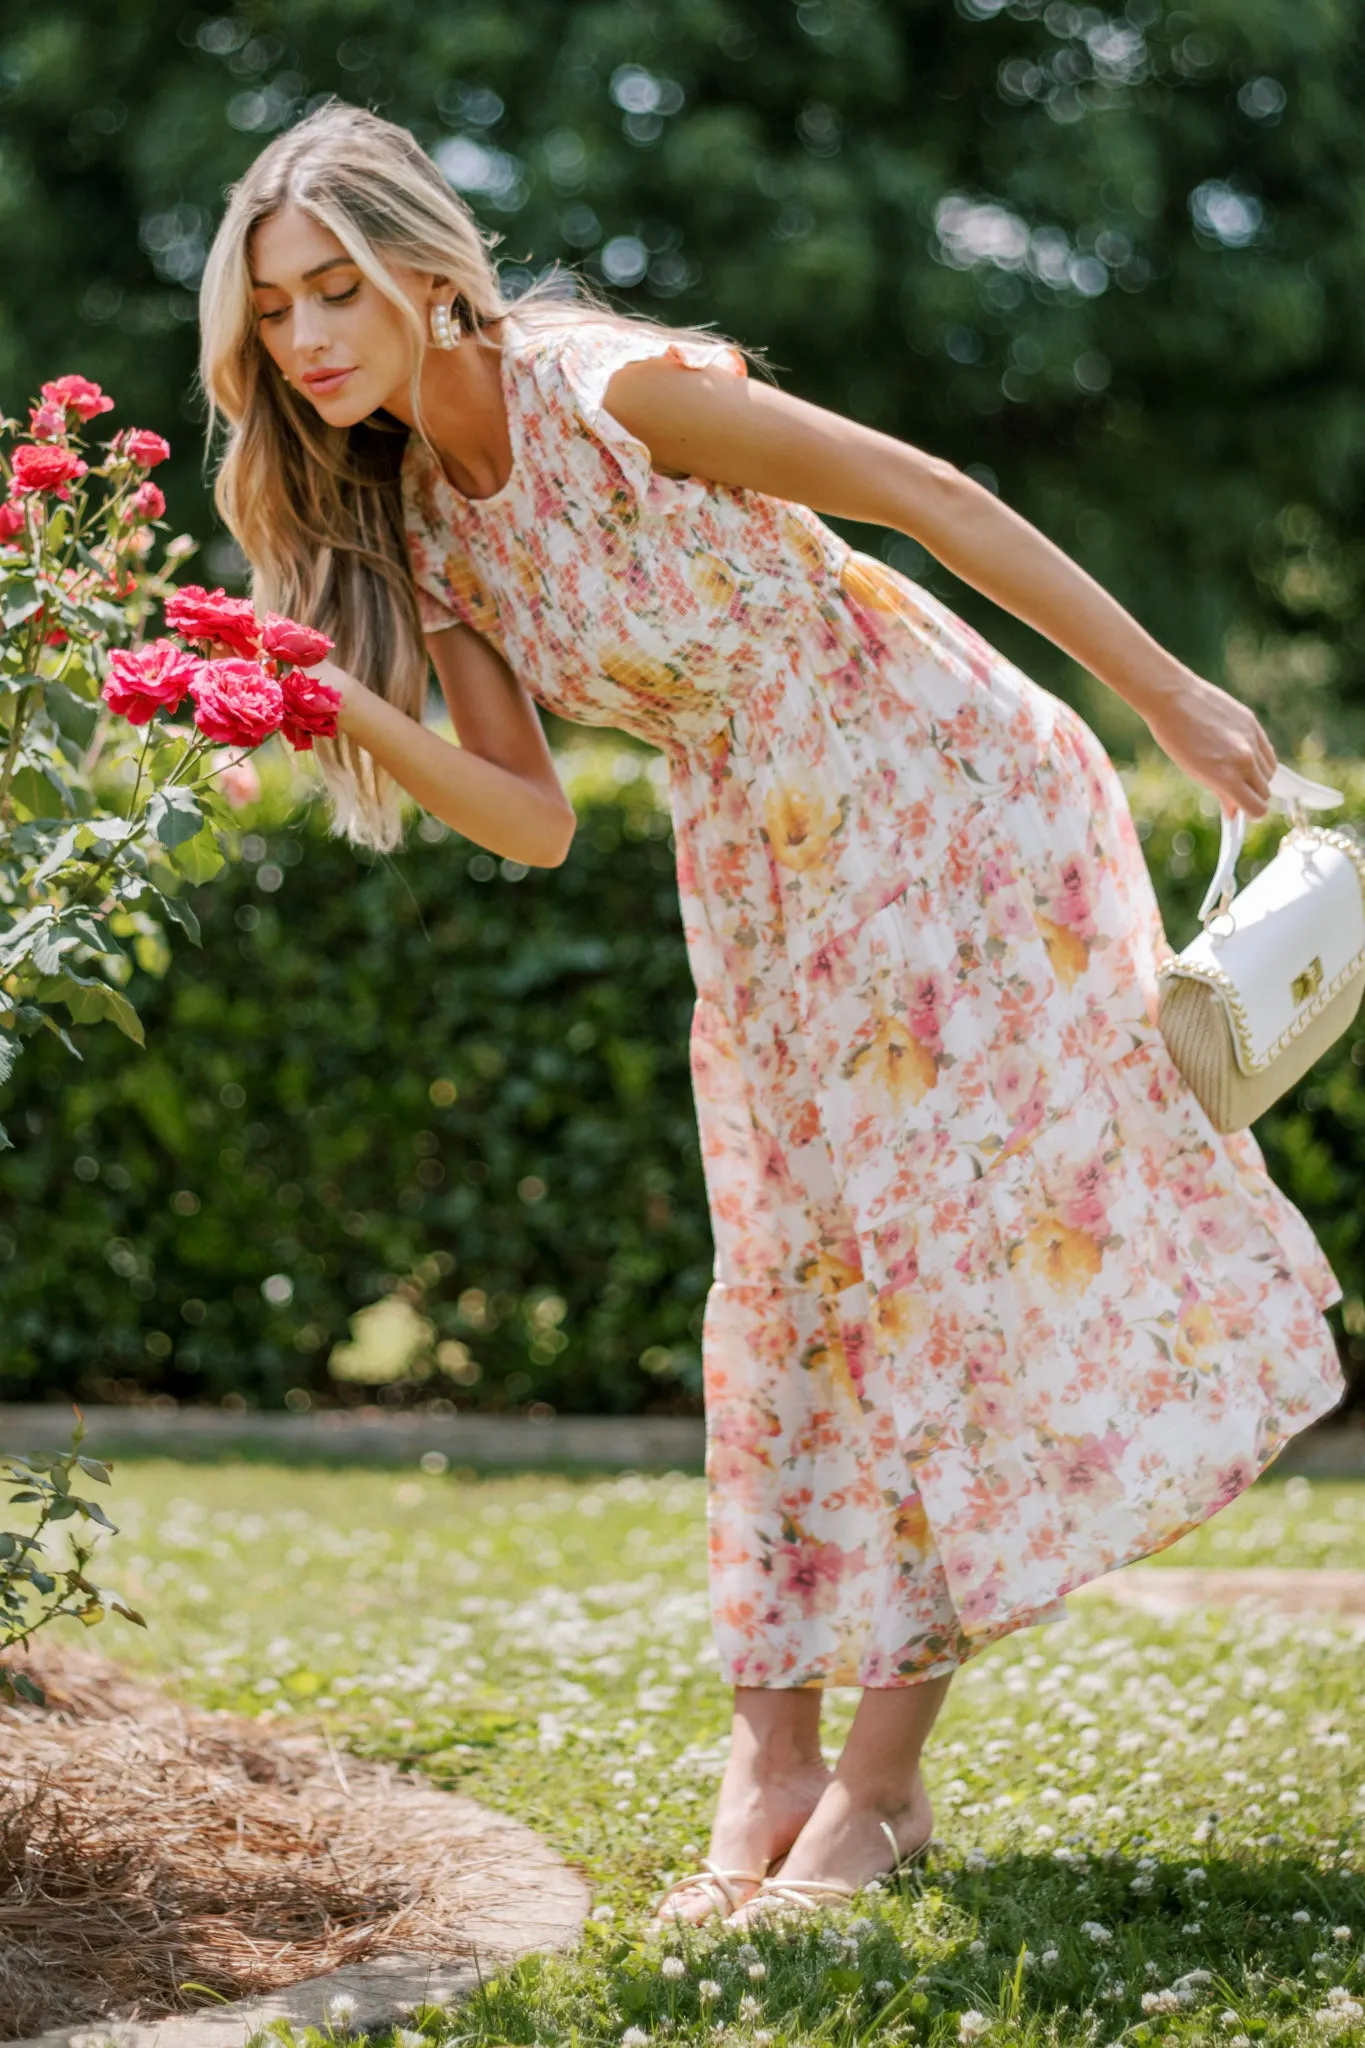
<point>1150,1828</point>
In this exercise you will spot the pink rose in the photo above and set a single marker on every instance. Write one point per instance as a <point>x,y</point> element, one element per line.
<point>45,469</point>
<point>216,618</point>
<point>147,502</point>
<point>143,447</point>
<point>145,680</point>
<point>236,702</point>
<point>288,641</point>
<point>11,519</point>
<point>238,780</point>
<point>47,422</point>
<point>78,395</point>
<point>310,710</point>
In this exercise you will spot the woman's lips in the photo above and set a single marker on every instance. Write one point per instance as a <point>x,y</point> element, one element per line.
<point>333,381</point>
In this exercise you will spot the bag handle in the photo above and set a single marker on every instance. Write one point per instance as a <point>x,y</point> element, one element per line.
<point>1298,794</point>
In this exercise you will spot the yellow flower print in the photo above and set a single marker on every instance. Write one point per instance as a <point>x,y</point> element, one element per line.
<point>1067,1259</point>
<point>801,824</point>
<point>631,670</point>
<point>872,585</point>
<point>712,579</point>
<point>1199,1340</point>
<point>826,1354</point>
<point>1066,949</point>
<point>899,1067</point>
<point>828,1271</point>
<point>910,1528</point>
<point>469,595</point>
<point>900,1315</point>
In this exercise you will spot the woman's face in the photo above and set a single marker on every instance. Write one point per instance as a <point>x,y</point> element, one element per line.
<point>341,343</point>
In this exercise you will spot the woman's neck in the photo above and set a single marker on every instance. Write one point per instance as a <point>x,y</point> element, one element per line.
<point>464,410</point>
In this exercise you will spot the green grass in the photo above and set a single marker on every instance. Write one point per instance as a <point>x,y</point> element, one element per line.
<point>1192,1786</point>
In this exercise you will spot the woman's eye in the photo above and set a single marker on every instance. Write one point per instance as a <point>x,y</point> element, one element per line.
<point>328,299</point>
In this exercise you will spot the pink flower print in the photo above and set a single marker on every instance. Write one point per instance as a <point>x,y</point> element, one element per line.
<point>1079,1197</point>
<point>1083,1467</point>
<point>930,1002</point>
<point>1071,904</point>
<point>1190,1181</point>
<point>1016,1080</point>
<point>1009,916</point>
<point>810,1574</point>
<point>995,873</point>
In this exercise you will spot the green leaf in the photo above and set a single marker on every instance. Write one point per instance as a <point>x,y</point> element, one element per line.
<point>95,1468</point>
<point>180,913</point>
<point>198,859</point>
<point>41,792</point>
<point>22,600</point>
<point>121,1011</point>
<point>92,1512</point>
<point>9,1053</point>
<point>63,1509</point>
<point>71,715</point>
<point>10,686</point>
<point>175,817</point>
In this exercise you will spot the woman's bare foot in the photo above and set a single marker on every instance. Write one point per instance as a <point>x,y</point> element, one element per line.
<point>843,1842</point>
<point>773,1783</point>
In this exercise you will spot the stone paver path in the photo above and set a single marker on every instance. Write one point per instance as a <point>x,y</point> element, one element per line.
<point>1165,1589</point>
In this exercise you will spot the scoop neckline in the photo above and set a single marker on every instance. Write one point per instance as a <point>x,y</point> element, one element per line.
<point>504,489</point>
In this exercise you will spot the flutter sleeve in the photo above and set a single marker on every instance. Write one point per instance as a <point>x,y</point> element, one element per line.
<point>575,375</point>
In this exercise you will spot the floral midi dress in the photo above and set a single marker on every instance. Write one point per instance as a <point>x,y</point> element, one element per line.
<point>995,1310</point>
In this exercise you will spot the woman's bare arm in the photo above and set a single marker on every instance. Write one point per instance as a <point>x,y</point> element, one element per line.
<point>732,430</point>
<point>498,786</point>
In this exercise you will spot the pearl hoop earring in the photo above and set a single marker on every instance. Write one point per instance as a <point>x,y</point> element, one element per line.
<point>445,326</point>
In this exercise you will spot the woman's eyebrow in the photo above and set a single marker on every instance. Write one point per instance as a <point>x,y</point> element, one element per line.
<point>260,284</point>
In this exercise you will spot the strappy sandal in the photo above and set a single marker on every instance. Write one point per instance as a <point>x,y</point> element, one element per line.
<point>716,1885</point>
<point>808,1894</point>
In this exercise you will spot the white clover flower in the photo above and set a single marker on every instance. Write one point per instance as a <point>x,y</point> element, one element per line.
<point>1115,1813</point>
<point>971,2025</point>
<point>1050,1958</point>
<point>602,1913</point>
<point>1301,1919</point>
<point>708,1990</point>
<point>746,1953</point>
<point>757,1971</point>
<point>763,2039</point>
<point>673,1967</point>
<point>1099,1935</point>
<point>409,2037</point>
<point>1341,1934</point>
<point>1193,1927</point>
<point>1239,2041</point>
<point>340,2010</point>
<point>883,1988</point>
<point>975,1861</point>
<point>976,1948</point>
<point>749,2007</point>
<point>1043,1832</point>
<point>1116,1990</point>
<point>1152,1969</point>
<point>1160,2001</point>
<point>635,2037</point>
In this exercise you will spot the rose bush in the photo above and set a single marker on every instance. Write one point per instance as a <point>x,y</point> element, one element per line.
<point>109,792</point>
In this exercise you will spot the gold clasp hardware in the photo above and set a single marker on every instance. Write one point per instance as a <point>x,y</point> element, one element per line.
<point>1308,982</point>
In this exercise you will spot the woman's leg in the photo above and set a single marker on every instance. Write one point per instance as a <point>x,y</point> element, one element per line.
<point>876,1779</point>
<point>773,1782</point>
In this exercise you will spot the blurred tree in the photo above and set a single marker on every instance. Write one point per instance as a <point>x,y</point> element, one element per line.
<point>1108,261</point>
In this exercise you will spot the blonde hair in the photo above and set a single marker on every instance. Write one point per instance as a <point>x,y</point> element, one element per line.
<point>317,510</point>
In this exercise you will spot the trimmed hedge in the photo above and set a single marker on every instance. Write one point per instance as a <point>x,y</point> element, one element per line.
<point>444,1084</point>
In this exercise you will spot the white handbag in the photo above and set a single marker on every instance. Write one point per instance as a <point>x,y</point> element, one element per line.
<point>1277,972</point>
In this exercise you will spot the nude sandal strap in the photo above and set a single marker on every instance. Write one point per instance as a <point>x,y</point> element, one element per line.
<point>710,1879</point>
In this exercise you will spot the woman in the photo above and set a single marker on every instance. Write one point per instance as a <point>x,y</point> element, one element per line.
<point>995,1311</point>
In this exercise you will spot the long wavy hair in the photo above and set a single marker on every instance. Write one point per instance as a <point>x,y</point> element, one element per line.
<point>317,510</point>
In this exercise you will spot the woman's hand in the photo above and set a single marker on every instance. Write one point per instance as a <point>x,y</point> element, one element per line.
<point>1218,741</point>
<point>339,679</point>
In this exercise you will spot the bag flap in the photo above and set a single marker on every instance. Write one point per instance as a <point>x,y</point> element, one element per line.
<point>1286,943</point>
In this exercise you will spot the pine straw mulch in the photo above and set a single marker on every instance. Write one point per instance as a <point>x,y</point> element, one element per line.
<point>146,1848</point>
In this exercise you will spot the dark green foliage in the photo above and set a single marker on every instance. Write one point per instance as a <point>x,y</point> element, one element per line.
<point>281,1130</point>
<point>283,1123</point>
